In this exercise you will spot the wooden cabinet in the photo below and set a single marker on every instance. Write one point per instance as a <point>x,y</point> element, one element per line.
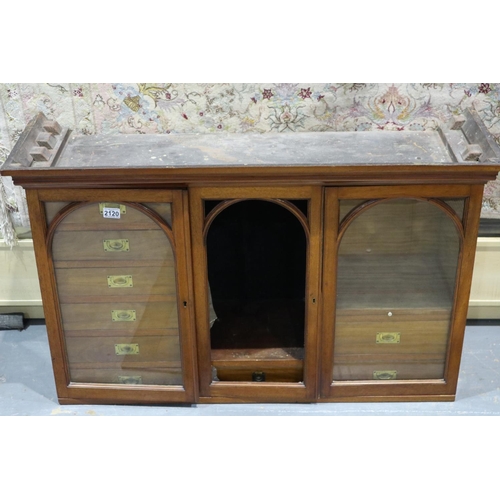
<point>242,268</point>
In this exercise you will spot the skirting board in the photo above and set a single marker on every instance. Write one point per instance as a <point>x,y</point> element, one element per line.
<point>19,287</point>
<point>484,302</point>
<point>20,291</point>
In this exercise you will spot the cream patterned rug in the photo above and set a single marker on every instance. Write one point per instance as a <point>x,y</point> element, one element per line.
<point>164,108</point>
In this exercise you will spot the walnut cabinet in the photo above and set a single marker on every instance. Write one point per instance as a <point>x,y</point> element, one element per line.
<point>312,267</point>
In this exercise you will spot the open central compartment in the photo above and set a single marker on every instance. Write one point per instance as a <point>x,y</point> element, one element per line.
<point>256,253</point>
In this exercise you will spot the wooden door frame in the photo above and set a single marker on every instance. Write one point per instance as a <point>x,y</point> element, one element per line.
<point>252,391</point>
<point>397,390</point>
<point>93,393</point>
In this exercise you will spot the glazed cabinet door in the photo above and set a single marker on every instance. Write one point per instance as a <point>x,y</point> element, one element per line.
<point>115,278</point>
<point>256,262</point>
<point>396,288</point>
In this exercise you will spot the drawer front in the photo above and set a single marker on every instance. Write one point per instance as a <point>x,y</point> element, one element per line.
<point>111,245</point>
<point>384,368</point>
<point>373,332</point>
<point>123,349</point>
<point>92,215</point>
<point>123,316</point>
<point>107,215</point>
<point>274,371</point>
<point>100,283</point>
<point>130,374</point>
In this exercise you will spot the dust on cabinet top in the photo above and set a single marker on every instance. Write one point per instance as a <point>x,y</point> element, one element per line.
<point>464,143</point>
<point>307,148</point>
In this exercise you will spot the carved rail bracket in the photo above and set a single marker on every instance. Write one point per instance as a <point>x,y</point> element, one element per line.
<point>468,140</point>
<point>39,145</point>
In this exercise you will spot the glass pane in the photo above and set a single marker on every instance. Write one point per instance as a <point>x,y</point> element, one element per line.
<point>164,210</point>
<point>52,208</point>
<point>395,292</point>
<point>256,253</point>
<point>458,206</point>
<point>116,283</point>
<point>346,206</point>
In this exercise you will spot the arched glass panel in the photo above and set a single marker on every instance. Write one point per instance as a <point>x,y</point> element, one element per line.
<point>395,292</point>
<point>116,283</point>
<point>256,254</point>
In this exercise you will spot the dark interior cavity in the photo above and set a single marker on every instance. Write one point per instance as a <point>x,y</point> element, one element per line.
<point>256,253</point>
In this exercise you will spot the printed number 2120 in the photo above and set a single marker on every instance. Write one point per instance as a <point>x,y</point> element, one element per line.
<point>111,213</point>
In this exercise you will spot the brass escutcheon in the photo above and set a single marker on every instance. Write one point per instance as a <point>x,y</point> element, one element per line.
<point>123,315</point>
<point>116,245</point>
<point>102,206</point>
<point>126,349</point>
<point>120,281</point>
<point>388,338</point>
<point>385,374</point>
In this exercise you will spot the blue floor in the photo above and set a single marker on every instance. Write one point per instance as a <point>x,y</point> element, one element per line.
<point>27,386</point>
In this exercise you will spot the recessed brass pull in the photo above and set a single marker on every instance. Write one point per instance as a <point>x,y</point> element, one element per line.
<point>385,374</point>
<point>123,315</point>
<point>129,379</point>
<point>116,245</point>
<point>126,349</point>
<point>388,338</point>
<point>103,206</point>
<point>120,281</point>
<point>258,377</point>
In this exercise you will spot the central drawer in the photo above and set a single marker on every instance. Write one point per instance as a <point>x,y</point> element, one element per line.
<point>259,365</point>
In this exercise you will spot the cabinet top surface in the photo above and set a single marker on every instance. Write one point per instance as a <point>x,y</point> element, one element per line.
<point>46,147</point>
<point>254,150</point>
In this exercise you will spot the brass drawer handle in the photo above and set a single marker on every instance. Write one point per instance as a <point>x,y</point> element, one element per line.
<point>116,245</point>
<point>123,315</point>
<point>103,206</point>
<point>385,374</point>
<point>126,349</point>
<point>120,281</point>
<point>388,338</point>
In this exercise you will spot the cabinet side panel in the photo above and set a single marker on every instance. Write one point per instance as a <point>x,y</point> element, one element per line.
<point>464,281</point>
<point>48,291</point>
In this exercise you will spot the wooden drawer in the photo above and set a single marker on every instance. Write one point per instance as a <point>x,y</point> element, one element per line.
<point>89,245</point>
<point>99,316</point>
<point>374,332</point>
<point>274,371</point>
<point>380,367</point>
<point>77,284</point>
<point>123,349</point>
<point>278,365</point>
<point>128,373</point>
<point>89,217</point>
